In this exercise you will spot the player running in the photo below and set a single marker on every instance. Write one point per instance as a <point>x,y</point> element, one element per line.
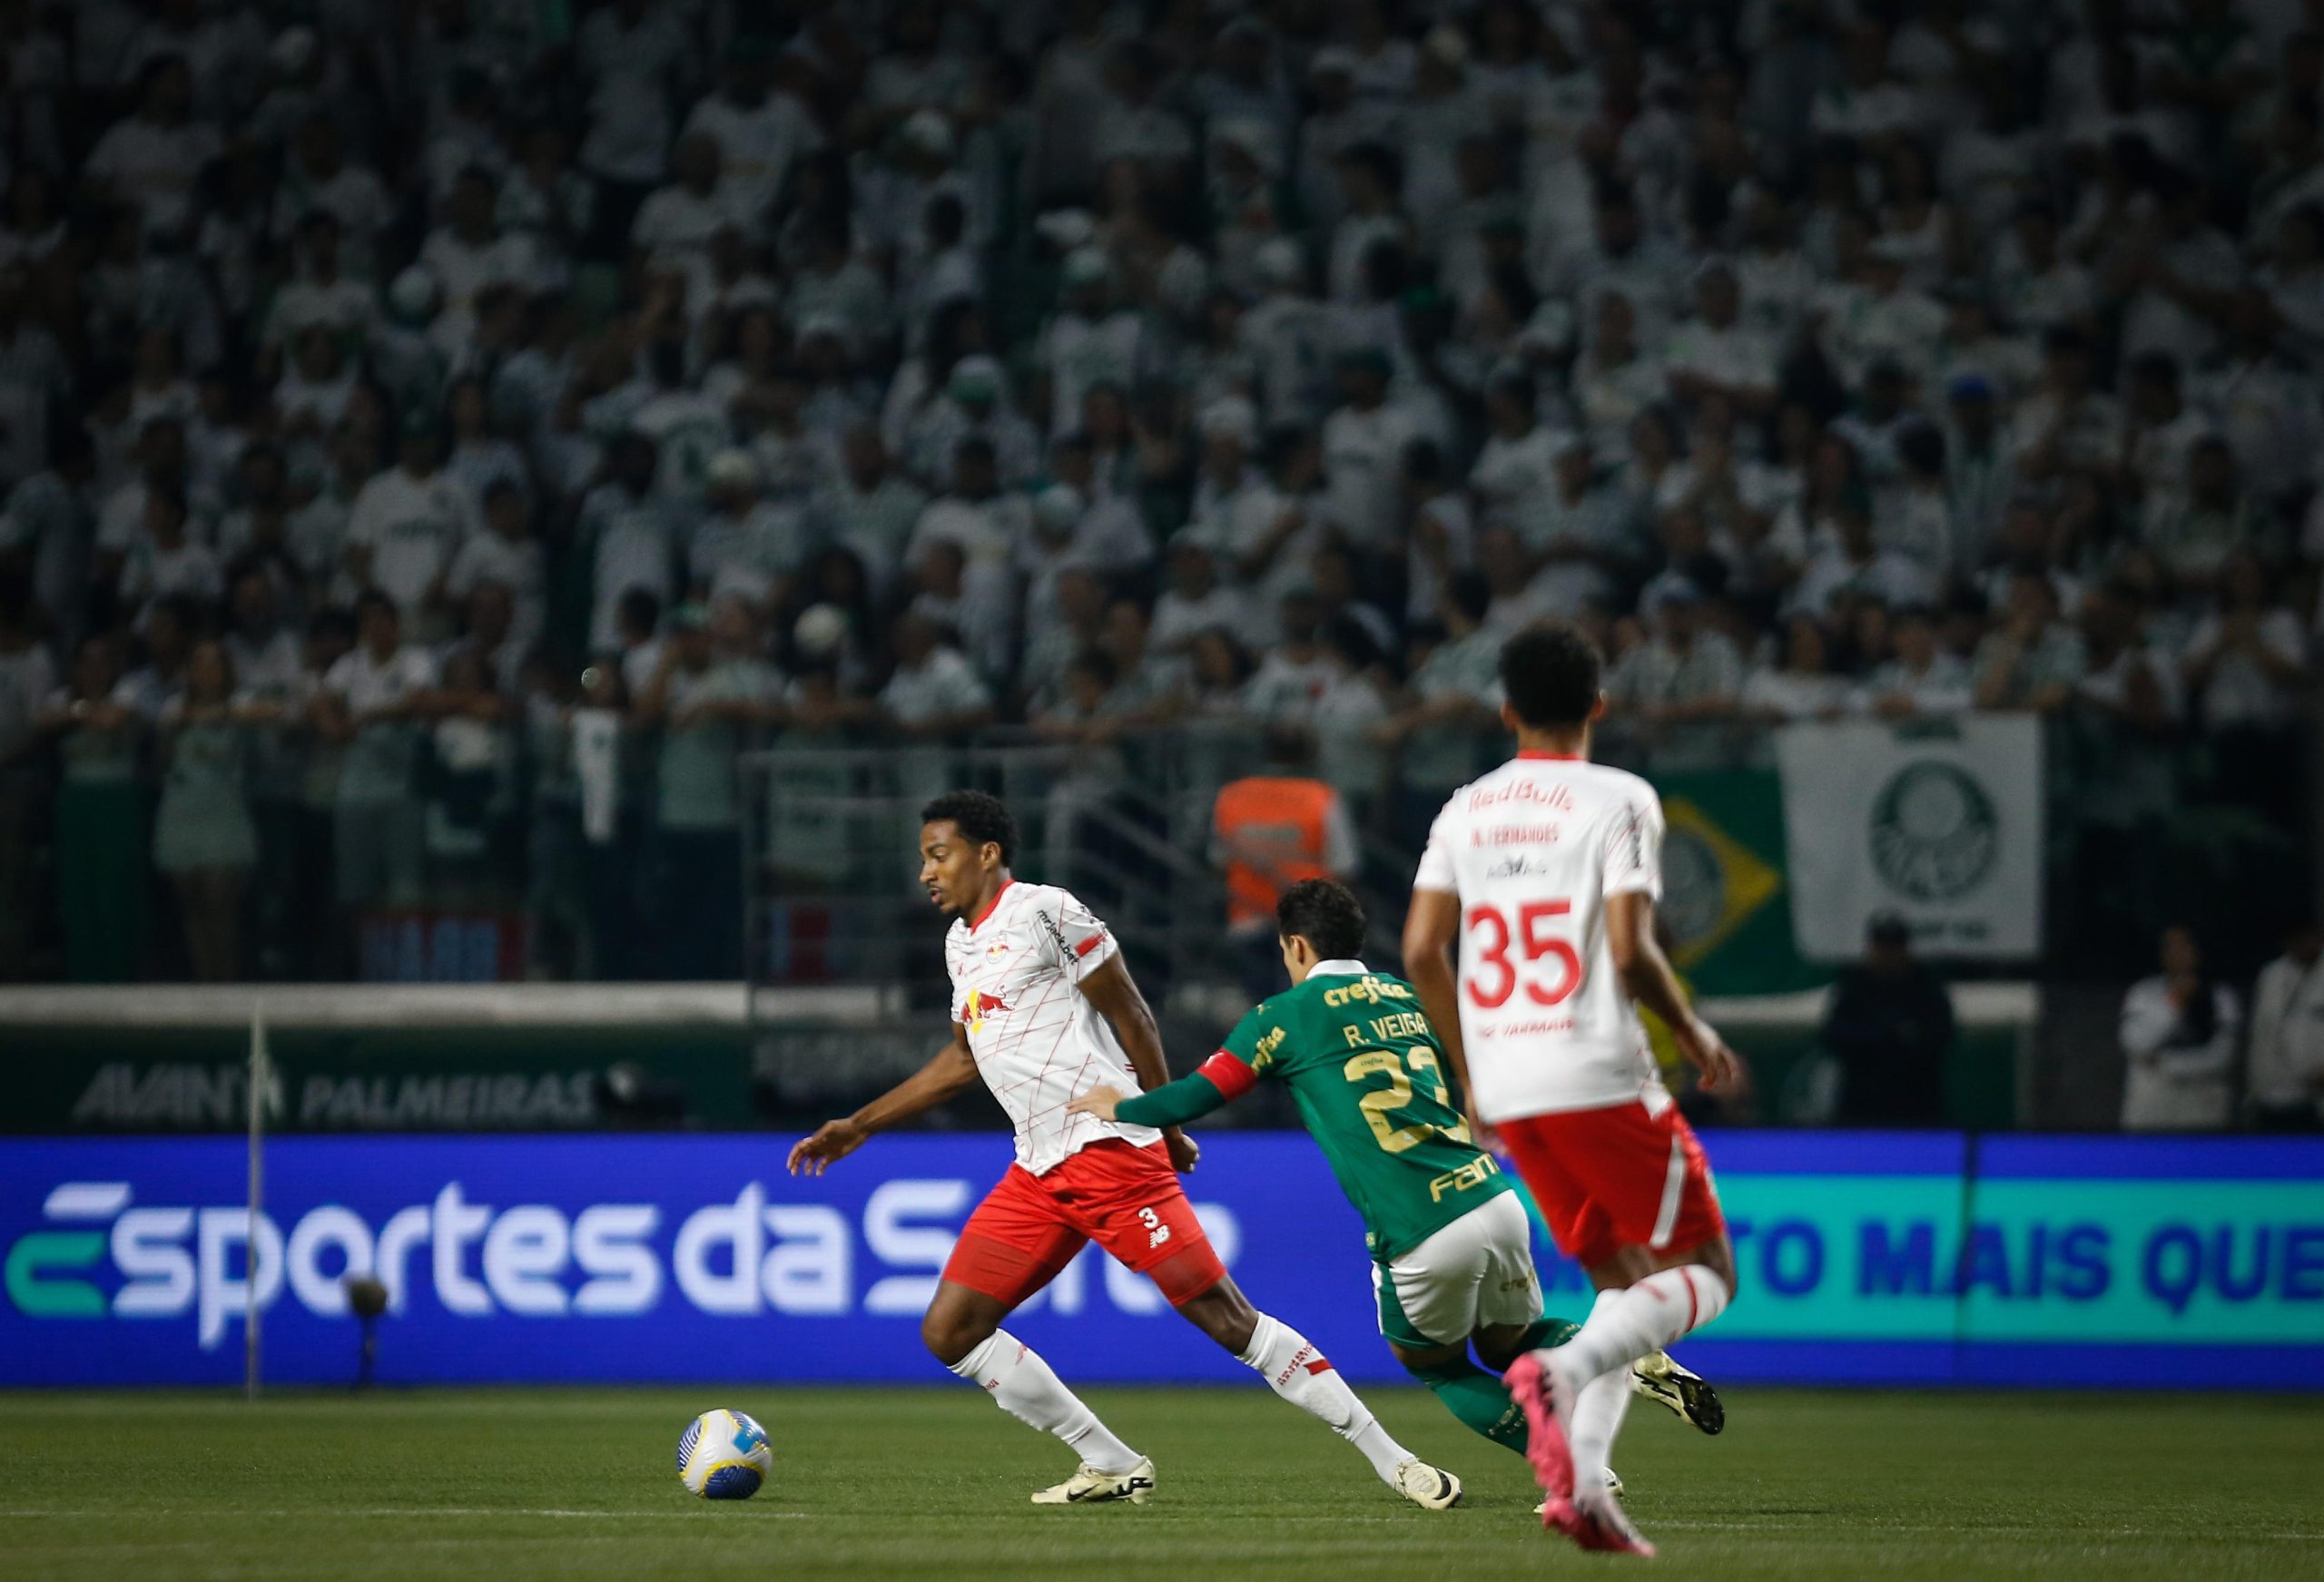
<point>1037,983</point>
<point>1546,871</point>
<point>1451,1248</point>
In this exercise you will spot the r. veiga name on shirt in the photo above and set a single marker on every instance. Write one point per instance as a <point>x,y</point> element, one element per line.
<point>1523,791</point>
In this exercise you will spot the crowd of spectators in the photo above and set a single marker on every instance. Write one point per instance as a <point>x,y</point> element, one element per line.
<point>437,437</point>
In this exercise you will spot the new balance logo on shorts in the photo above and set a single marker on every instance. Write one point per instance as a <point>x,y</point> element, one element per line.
<point>1156,1232</point>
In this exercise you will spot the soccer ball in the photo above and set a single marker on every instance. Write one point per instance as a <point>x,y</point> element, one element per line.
<point>722,1455</point>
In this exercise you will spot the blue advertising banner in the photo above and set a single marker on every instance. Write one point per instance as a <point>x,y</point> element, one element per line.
<point>1865,1257</point>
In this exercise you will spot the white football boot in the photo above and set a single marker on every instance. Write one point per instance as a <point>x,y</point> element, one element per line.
<point>1660,1379</point>
<point>1613,1486</point>
<point>1430,1488</point>
<point>1091,1486</point>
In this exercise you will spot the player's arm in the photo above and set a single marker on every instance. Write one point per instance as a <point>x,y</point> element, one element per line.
<point>1430,928</point>
<point>1225,1076</point>
<point>953,1071</point>
<point>1115,993</point>
<point>1646,973</point>
<point>1174,1103</point>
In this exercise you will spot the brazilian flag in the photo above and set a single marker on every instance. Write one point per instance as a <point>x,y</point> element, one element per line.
<point>1723,897</point>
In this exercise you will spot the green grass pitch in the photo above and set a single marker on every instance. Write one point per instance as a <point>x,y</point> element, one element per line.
<point>931,1485</point>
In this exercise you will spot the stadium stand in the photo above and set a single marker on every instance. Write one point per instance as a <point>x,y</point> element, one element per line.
<point>436,455</point>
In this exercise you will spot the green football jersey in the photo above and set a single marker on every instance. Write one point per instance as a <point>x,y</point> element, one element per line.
<point>1364,1067</point>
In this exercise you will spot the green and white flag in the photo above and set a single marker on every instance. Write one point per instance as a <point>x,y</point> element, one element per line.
<point>1937,820</point>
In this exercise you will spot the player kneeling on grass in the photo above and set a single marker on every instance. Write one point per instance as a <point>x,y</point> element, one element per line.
<point>1043,1008</point>
<point>1450,1240</point>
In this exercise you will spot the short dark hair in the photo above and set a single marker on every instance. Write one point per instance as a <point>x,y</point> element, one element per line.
<point>1470,593</point>
<point>1550,673</point>
<point>640,607</point>
<point>982,817</point>
<point>2160,366</point>
<point>1327,914</point>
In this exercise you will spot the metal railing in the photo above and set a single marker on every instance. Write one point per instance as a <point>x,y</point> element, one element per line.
<point>830,843</point>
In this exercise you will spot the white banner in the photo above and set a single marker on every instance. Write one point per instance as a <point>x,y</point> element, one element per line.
<point>1937,820</point>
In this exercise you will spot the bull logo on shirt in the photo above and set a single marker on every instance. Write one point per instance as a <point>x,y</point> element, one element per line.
<point>981,1006</point>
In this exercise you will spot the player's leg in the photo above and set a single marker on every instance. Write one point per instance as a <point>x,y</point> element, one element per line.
<point>1648,1300</point>
<point>1659,1377</point>
<point>1141,1216</point>
<point>1477,1399</point>
<point>1629,1324</point>
<point>1430,1299</point>
<point>1297,1370</point>
<point>1628,1193</point>
<point>1012,1245</point>
<point>1654,1241</point>
<point>1497,1299</point>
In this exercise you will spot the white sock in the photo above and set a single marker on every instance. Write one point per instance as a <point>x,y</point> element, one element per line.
<point>1028,1390</point>
<point>1627,1325</point>
<point>1304,1377</point>
<point>1597,1418</point>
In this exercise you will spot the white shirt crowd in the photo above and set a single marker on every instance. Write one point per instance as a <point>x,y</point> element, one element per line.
<point>1059,363</point>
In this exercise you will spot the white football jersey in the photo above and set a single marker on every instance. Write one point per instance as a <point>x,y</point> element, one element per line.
<point>1532,851</point>
<point>1038,1042</point>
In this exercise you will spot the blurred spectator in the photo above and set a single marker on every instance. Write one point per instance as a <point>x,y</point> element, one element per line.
<point>2284,1079</point>
<point>1890,1028</point>
<point>405,526</point>
<point>466,778</point>
<point>2035,661</point>
<point>1684,671</point>
<point>631,533</point>
<point>1805,685</point>
<point>710,697</point>
<point>1271,324</point>
<point>204,838</point>
<point>2244,666</point>
<point>1922,679</point>
<point>101,838</point>
<point>1268,831</point>
<point>373,704</point>
<point>506,555</point>
<point>1452,699</point>
<point>27,682</point>
<point>934,691</point>
<point>2179,1036</point>
<point>1193,602</point>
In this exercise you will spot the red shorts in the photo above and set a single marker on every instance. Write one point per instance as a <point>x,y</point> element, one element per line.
<point>1621,1176</point>
<point>1128,1199</point>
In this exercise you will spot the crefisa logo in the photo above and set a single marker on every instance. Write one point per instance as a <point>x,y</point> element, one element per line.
<point>99,1254</point>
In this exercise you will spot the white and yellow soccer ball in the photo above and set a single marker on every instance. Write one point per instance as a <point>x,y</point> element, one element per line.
<point>724,1455</point>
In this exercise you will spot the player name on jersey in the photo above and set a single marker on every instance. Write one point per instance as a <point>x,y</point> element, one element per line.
<point>1544,1018</point>
<point>1370,1084</point>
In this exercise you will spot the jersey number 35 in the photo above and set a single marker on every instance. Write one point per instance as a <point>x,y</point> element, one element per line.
<point>1493,976</point>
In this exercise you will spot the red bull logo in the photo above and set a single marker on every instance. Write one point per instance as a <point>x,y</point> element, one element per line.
<point>981,1006</point>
